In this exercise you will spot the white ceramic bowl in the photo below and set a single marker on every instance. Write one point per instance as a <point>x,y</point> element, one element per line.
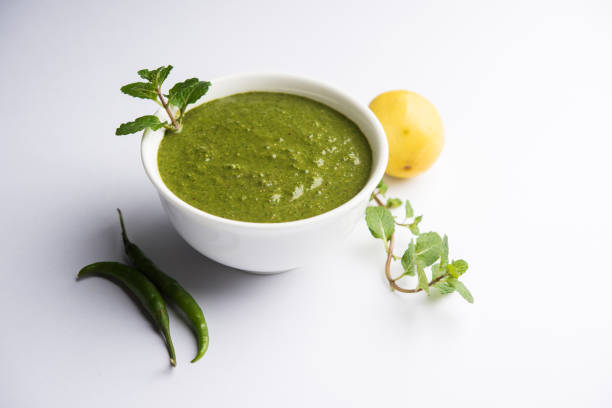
<point>271,247</point>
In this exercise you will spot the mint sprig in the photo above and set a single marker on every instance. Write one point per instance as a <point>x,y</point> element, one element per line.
<point>187,92</point>
<point>425,251</point>
<point>179,97</point>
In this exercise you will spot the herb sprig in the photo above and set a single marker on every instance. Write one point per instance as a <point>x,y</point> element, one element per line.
<point>179,97</point>
<point>427,250</point>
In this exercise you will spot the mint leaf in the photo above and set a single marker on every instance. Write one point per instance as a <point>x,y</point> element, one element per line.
<point>156,76</point>
<point>461,289</point>
<point>428,248</point>
<point>435,271</point>
<point>143,122</point>
<point>142,90</point>
<point>414,227</point>
<point>461,266</point>
<point>187,92</point>
<point>380,222</point>
<point>444,255</point>
<point>198,91</point>
<point>394,203</point>
<point>409,210</point>
<point>409,260</point>
<point>457,268</point>
<point>382,187</point>
<point>444,287</point>
<point>423,283</point>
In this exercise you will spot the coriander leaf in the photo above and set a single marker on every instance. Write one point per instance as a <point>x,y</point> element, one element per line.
<point>423,283</point>
<point>461,289</point>
<point>409,210</point>
<point>393,203</point>
<point>444,287</point>
<point>461,266</point>
<point>143,122</point>
<point>382,187</point>
<point>380,222</point>
<point>414,227</point>
<point>142,90</point>
<point>409,260</point>
<point>156,76</point>
<point>187,92</point>
<point>428,248</point>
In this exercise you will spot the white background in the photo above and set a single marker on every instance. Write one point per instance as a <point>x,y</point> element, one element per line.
<point>522,188</point>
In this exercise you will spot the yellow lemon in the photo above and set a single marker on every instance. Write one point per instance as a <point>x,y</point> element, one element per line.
<point>414,131</point>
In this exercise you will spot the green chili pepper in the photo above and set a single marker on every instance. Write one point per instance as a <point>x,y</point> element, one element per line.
<point>170,288</point>
<point>140,286</point>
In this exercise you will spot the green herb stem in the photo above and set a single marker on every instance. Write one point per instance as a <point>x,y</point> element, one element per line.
<point>390,256</point>
<point>426,249</point>
<point>389,259</point>
<point>400,289</point>
<point>378,200</point>
<point>167,108</point>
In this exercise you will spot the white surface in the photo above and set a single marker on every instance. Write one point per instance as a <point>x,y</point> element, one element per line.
<point>271,247</point>
<point>522,189</point>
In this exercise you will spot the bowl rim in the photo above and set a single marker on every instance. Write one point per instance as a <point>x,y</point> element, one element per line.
<point>152,170</point>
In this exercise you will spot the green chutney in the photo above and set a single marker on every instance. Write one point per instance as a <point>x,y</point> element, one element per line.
<point>265,157</point>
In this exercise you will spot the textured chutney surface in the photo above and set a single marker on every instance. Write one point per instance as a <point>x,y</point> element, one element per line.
<point>265,157</point>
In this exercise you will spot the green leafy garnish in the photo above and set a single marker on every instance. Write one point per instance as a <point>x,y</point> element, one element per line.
<point>457,268</point>
<point>423,282</point>
<point>142,90</point>
<point>444,287</point>
<point>409,260</point>
<point>179,97</point>
<point>444,255</point>
<point>393,203</point>
<point>187,92</point>
<point>381,188</point>
<point>428,251</point>
<point>435,270</point>
<point>428,248</point>
<point>461,289</point>
<point>157,76</point>
<point>461,266</point>
<point>141,123</point>
<point>409,210</point>
<point>414,226</point>
<point>380,222</point>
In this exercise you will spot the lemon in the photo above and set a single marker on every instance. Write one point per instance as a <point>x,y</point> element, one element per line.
<point>414,131</point>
